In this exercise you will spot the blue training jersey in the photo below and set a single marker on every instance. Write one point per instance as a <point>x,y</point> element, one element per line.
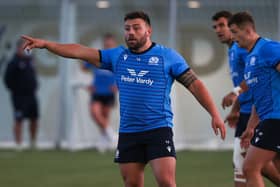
<point>263,79</point>
<point>236,57</point>
<point>144,81</point>
<point>103,80</point>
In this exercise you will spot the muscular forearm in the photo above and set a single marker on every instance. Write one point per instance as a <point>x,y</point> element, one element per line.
<point>202,95</point>
<point>197,88</point>
<point>76,51</point>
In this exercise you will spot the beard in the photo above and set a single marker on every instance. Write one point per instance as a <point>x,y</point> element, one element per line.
<point>136,44</point>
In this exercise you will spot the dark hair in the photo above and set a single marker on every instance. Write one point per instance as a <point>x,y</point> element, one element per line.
<point>138,14</point>
<point>242,18</point>
<point>222,14</point>
<point>108,35</point>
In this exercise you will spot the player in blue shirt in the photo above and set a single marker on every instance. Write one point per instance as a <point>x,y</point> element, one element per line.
<point>241,110</point>
<point>103,90</point>
<point>144,73</point>
<point>263,79</point>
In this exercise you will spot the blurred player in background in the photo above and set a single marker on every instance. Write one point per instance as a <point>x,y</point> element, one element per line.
<point>263,79</point>
<point>21,80</point>
<point>144,73</point>
<point>103,91</point>
<point>235,60</point>
<point>241,110</point>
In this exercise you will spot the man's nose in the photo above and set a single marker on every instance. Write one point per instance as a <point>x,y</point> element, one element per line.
<point>217,29</point>
<point>130,32</point>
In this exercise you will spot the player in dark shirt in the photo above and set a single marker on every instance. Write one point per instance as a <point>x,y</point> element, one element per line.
<point>21,80</point>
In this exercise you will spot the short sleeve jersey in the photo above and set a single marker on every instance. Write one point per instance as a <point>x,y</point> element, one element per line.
<point>144,81</point>
<point>236,56</point>
<point>103,80</point>
<point>263,79</point>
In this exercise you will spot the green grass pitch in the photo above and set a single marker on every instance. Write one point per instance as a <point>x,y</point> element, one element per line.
<point>91,169</point>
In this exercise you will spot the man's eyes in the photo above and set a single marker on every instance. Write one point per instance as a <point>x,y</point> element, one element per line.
<point>133,27</point>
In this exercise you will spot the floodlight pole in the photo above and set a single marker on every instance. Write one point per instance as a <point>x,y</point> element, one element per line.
<point>172,23</point>
<point>172,44</point>
<point>67,34</point>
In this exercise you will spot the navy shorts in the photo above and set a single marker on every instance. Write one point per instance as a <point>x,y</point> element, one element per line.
<point>108,100</point>
<point>25,107</point>
<point>241,124</point>
<point>141,147</point>
<point>267,135</point>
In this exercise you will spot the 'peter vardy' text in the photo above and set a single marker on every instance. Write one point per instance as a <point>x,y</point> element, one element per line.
<point>137,80</point>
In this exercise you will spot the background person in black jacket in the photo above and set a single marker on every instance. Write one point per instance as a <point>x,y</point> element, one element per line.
<point>21,80</point>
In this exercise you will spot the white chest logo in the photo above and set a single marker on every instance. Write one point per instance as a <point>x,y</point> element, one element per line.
<point>132,72</point>
<point>138,78</point>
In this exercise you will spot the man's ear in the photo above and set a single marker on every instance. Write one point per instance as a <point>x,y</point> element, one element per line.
<point>149,30</point>
<point>248,29</point>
